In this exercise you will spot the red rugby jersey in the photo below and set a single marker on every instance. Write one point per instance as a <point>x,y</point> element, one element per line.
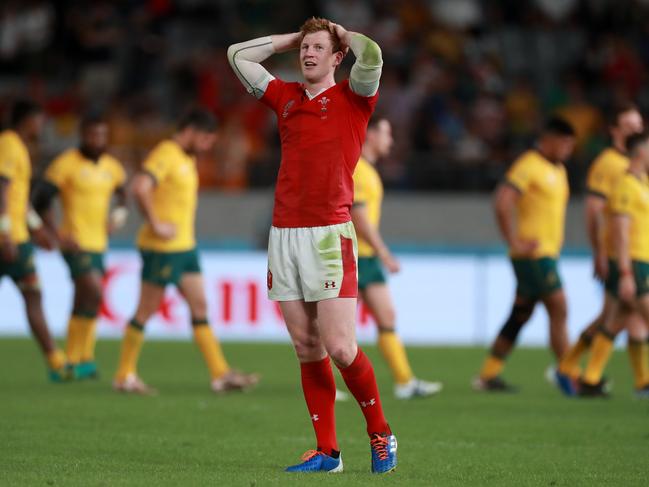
<point>321,143</point>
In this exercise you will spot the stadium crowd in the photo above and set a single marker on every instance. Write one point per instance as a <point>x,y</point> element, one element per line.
<point>466,82</point>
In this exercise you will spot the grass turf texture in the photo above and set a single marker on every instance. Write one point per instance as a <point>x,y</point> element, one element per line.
<point>85,434</point>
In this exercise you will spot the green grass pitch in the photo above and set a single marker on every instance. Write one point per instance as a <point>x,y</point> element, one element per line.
<point>84,434</point>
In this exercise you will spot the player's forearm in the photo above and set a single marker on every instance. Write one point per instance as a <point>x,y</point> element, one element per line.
<point>506,224</point>
<point>505,218</point>
<point>621,229</point>
<point>5,221</point>
<point>145,205</point>
<point>366,71</point>
<point>143,192</point>
<point>4,189</point>
<point>245,59</point>
<point>49,220</point>
<point>366,231</point>
<point>285,42</point>
<point>594,219</point>
<point>119,214</point>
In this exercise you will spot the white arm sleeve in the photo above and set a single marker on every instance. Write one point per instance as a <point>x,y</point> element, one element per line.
<point>245,59</point>
<point>366,71</point>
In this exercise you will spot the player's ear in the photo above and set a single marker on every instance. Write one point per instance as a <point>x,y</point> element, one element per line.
<point>338,58</point>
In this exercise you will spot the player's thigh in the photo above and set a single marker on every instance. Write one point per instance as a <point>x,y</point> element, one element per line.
<point>556,306</point>
<point>642,307</point>
<point>608,308</point>
<point>88,289</point>
<point>283,277</point>
<point>300,318</point>
<point>635,326</point>
<point>192,288</point>
<point>150,298</point>
<point>22,270</point>
<point>536,278</point>
<point>337,327</point>
<point>327,262</point>
<point>619,316</point>
<point>378,300</point>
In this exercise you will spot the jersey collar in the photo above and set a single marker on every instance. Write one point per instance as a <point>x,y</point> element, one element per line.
<point>312,97</point>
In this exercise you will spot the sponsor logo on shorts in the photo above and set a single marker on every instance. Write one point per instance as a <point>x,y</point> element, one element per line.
<point>269,280</point>
<point>330,284</point>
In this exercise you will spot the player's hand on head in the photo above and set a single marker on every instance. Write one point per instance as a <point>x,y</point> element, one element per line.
<point>8,250</point>
<point>343,35</point>
<point>164,230</point>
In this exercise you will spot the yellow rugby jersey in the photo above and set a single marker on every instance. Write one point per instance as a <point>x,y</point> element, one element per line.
<point>86,188</point>
<point>16,166</point>
<point>541,209</point>
<point>631,197</point>
<point>174,197</point>
<point>368,191</point>
<point>604,173</point>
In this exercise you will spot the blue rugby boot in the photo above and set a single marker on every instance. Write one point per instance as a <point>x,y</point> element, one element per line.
<point>317,461</point>
<point>384,452</point>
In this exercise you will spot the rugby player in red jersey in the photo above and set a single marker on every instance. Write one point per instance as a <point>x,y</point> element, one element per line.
<point>312,250</point>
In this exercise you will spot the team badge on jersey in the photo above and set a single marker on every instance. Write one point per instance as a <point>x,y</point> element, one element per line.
<point>323,106</point>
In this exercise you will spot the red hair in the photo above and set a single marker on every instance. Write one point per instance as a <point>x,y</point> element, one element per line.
<point>317,24</point>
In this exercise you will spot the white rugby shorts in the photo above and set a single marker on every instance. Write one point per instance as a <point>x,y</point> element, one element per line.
<point>312,263</point>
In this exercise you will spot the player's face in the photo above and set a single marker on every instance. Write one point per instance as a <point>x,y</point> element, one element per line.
<point>34,126</point>
<point>317,60</point>
<point>379,137</point>
<point>629,123</point>
<point>564,145</point>
<point>95,138</point>
<point>203,141</point>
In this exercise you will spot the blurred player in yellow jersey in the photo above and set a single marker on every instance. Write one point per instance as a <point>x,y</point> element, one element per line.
<point>85,178</point>
<point>17,219</point>
<point>167,192</point>
<point>628,274</point>
<point>530,209</point>
<point>373,254</point>
<point>605,172</point>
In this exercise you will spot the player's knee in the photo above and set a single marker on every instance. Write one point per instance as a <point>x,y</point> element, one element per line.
<point>558,315</point>
<point>308,348</point>
<point>520,314</point>
<point>198,307</point>
<point>92,299</point>
<point>142,314</point>
<point>342,354</point>
<point>30,287</point>
<point>387,320</point>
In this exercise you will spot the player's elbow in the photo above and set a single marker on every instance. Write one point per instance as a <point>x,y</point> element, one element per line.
<point>232,52</point>
<point>372,56</point>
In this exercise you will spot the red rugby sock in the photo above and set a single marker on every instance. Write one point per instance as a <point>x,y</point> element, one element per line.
<point>320,394</point>
<point>360,379</point>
